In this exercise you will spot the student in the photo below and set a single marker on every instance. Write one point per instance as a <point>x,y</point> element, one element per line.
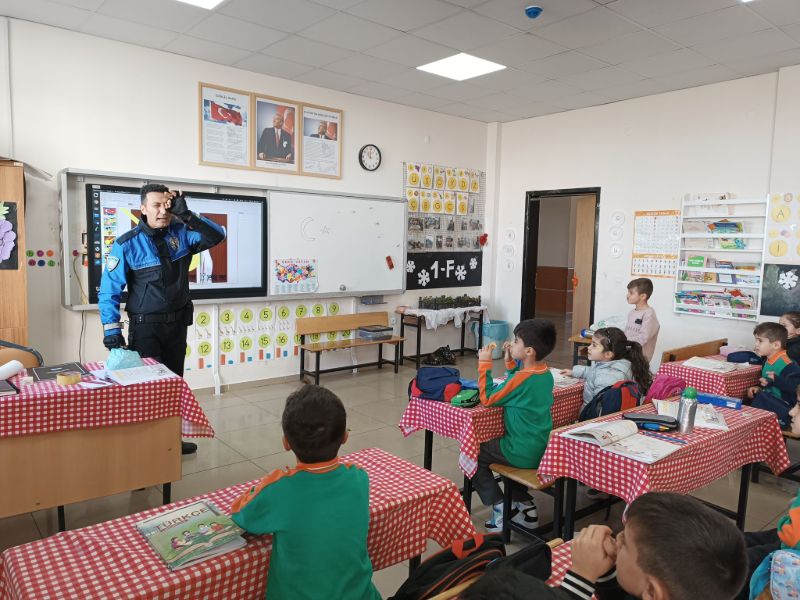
<point>642,323</point>
<point>791,320</point>
<point>526,397</point>
<point>614,358</point>
<point>318,512</point>
<point>779,375</point>
<point>673,547</point>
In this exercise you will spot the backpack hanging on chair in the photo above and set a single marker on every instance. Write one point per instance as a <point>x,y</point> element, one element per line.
<point>623,395</point>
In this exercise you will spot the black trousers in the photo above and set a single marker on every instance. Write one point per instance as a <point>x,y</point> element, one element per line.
<point>166,342</point>
<point>483,480</point>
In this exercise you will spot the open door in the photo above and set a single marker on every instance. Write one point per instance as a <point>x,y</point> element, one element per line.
<point>584,262</point>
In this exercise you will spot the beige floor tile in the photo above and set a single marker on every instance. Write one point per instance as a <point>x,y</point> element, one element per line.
<point>389,439</point>
<point>388,580</point>
<point>254,442</point>
<point>387,412</point>
<point>18,530</point>
<point>240,416</point>
<point>267,392</point>
<point>211,453</point>
<point>209,401</point>
<point>214,479</point>
<point>274,405</point>
<point>279,460</point>
<point>359,423</point>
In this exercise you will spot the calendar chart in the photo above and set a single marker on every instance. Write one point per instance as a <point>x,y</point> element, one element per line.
<point>656,240</point>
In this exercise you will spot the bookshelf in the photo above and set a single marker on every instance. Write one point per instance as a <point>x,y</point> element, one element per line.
<point>721,256</point>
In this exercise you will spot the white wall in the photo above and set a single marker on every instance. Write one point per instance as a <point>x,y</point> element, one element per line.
<point>644,154</point>
<point>554,232</point>
<point>95,104</point>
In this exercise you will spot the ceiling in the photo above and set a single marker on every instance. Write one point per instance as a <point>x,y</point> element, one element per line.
<point>578,53</point>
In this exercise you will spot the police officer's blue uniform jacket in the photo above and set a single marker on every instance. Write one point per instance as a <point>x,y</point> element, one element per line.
<point>154,264</point>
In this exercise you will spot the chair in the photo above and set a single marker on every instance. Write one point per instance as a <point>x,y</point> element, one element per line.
<point>27,356</point>
<point>454,592</point>
<point>701,349</point>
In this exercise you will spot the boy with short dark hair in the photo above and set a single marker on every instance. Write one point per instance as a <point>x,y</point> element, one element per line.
<point>779,375</point>
<point>642,323</point>
<point>318,512</point>
<point>673,547</point>
<point>526,396</point>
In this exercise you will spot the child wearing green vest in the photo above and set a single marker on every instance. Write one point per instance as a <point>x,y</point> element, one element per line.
<point>526,396</point>
<point>318,512</point>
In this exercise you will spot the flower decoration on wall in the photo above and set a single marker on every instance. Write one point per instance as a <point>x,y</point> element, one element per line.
<point>7,240</point>
<point>787,280</point>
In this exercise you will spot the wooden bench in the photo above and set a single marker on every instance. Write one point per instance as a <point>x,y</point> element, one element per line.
<point>686,352</point>
<point>319,325</point>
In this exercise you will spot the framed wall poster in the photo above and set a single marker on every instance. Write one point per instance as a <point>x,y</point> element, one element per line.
<point>321,141</point>
<point>276,133</point>
<point>225,126</point>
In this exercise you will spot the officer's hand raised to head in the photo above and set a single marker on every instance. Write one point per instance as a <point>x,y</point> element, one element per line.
<point>176,204</point>
<point>114,341</point>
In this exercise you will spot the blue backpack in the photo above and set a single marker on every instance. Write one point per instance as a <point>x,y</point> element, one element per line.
<point>435,383</point>
<point>623,395</point>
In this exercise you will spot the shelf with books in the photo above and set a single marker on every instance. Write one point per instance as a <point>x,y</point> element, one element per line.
<point>708,282</point>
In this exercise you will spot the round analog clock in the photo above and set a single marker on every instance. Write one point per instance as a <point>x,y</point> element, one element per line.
<point>369,157</point>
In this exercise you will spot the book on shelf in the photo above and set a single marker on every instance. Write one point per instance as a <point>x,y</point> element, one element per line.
<point>726,278</point>
<point>191,534</point>
<point>752,278</point>
<point>622,437</point>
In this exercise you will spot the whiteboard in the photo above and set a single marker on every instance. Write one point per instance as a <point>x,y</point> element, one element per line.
<point>346,238</point>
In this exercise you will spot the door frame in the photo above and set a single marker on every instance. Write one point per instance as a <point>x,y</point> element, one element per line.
<point>531,237</point>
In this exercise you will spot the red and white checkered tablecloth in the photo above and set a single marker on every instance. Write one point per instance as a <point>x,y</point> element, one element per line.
<point>561,562</point>
<point>47,407</point>
<point>408,505</point>
<point>733,384</point>
<point>753,436</point>
<point>473,426</point>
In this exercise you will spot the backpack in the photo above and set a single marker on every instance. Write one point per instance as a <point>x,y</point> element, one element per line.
<point>435,383</point>
<point>534,560</point>
<point>665,386</point>
<point>452,566</point>
<point>623,395</point>
<point>441,356</point>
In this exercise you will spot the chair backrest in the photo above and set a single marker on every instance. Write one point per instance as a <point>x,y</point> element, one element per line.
<point>27,358</point>
<point>701,349</point>
<point>310,325</point>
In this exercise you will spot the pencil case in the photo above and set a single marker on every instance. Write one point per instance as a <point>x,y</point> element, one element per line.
<point>644,420</point>
<point>717,400</point>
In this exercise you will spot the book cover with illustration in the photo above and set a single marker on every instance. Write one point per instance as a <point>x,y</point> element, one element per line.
<point>191,534</point>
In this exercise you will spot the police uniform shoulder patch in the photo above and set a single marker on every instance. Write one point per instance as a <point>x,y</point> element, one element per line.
<point>111,262</point>
<point>173,242</point>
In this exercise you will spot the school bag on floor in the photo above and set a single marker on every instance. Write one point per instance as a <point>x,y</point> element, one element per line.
<point>452,566</point>
<point>623,395</point>
<point>663,387</point>
<point>435,383</point>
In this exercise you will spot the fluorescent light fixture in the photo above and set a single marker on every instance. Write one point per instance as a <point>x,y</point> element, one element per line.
<point>207,4</point>
<point>461,66</point>
<point>747,1</point>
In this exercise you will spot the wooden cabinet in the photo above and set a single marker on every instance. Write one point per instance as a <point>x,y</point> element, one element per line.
<point>13,274</point>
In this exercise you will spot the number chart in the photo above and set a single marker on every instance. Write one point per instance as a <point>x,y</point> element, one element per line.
<point>656,240</point>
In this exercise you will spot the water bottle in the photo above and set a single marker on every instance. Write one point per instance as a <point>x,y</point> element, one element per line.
<point>687,410</point>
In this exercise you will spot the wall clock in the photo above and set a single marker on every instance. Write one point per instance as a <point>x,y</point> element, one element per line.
<point>369,157</point>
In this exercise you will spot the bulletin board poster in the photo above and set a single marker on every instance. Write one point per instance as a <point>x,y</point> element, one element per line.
<point>294,276</point>
<point>446,218</point>
<point>224,127</point>
<point>322,142</point>
<point>783,230</point>
<point>656,242</point>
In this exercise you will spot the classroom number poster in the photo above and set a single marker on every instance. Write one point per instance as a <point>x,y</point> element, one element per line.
<point>656,240</point>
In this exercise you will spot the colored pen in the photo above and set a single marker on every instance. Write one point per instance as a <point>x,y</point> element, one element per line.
<point>664,437</point>
<point>653,427</point>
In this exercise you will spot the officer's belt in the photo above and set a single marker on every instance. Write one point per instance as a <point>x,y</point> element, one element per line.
<point>158,317</point>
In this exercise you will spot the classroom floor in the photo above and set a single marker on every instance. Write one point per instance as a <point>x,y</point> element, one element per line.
<point>248,445</point>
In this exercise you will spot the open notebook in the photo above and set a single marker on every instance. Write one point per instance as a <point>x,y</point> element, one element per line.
<point>710,364</point>
<point>623,437</point>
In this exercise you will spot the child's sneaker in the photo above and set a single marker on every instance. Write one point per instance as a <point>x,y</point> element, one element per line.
<point>495,522</point>
<point>525,514</point>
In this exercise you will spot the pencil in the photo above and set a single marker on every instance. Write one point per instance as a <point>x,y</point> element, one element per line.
<point>664,437</point>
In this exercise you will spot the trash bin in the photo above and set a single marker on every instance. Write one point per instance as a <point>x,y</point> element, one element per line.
<point>493,331</point>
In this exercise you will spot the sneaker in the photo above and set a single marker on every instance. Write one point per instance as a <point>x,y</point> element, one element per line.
<point>188,448</point>
<point>597,495</point>
<point>495,522</point>
<point>525,514</point>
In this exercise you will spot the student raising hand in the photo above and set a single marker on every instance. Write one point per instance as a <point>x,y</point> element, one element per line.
<point>593,552</point>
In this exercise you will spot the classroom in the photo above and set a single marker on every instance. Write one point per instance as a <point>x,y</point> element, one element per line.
<point>446,231</point>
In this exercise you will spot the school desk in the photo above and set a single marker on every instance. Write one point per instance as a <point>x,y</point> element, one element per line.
<point>732,384</point>
<point>753,436</point>
<point>560,563</point>
<point>432,319</point>
<point>473,426</point>
<point>66,444</point>
<point>408,505</point>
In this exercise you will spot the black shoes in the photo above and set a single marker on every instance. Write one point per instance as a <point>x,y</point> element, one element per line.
<point>188,448</point>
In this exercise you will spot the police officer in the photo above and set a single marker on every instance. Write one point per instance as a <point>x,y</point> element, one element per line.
<point>152,260</point>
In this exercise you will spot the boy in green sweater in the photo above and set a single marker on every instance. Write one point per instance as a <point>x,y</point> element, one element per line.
<point>318,512</point>
<point>526,396</point>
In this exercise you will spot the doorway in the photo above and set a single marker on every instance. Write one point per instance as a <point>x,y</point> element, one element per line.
<point>559,260</point>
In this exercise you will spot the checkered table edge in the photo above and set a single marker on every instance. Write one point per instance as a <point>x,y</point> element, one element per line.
<point>46,407</point>
<point>733,384</point>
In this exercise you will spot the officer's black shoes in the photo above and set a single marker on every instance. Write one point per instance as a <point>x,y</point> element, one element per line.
<point>188,448</point>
